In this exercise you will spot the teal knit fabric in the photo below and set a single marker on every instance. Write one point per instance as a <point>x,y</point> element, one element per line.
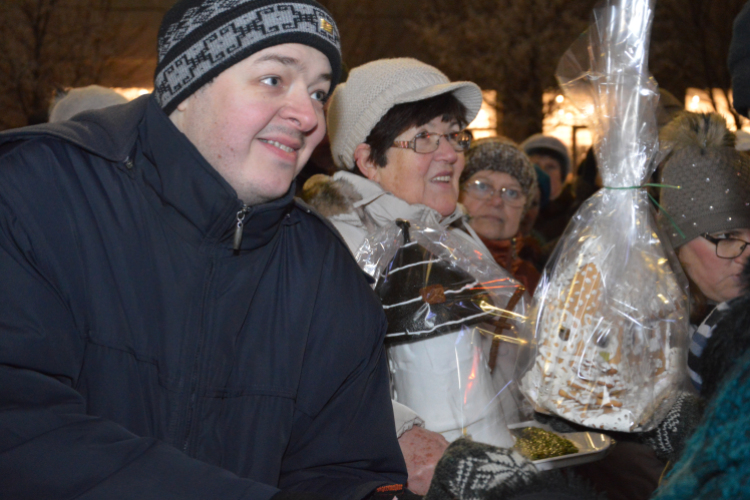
<point>716,462</point>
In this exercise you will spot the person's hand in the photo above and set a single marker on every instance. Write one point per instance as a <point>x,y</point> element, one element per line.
<point>422,449</point>
<point>670,436</point>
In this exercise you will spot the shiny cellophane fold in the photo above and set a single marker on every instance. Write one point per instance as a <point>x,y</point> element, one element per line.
<point>609,320</point>
<point>453,322</point>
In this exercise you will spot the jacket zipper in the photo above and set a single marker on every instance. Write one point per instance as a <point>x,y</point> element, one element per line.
<point>237,243</point>
<point>238,228</point>
<point>192,402</point>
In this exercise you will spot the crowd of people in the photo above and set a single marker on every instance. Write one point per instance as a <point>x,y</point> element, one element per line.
<point>185,314</point>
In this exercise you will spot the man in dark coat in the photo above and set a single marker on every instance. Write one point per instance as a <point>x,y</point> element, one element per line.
<point>173,325</point>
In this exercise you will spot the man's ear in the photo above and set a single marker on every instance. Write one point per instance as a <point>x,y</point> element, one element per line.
<point>362,161</point>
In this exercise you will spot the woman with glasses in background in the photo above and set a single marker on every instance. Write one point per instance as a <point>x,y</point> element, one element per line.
<point>705,213</point>
<point>497,189</point>
<point>396,128</point>
<point>708,218</point>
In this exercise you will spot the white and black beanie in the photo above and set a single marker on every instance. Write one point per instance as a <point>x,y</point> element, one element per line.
<point>199,39</point>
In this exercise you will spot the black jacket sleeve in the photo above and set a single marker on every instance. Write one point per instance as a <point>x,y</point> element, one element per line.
<point>345,444</point>
<point>50,448</point>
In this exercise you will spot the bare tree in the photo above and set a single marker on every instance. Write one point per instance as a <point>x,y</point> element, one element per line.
<point>512,46</point>
<point>690,45</point>
<point>49,44</point>
<point>374,29</point>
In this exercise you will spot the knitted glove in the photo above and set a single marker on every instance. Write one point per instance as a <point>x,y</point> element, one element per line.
<point>669,437</point>
<point>477,471</point>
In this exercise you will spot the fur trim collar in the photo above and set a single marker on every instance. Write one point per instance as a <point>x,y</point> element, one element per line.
<point>330,196</point>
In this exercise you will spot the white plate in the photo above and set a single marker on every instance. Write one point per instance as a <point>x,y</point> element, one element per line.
<point>591,446</point>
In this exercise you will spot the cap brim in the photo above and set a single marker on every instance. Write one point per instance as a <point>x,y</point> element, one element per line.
<point>468,93</point>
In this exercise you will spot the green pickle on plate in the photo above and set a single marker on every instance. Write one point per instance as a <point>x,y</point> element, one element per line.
<point>538,444</point>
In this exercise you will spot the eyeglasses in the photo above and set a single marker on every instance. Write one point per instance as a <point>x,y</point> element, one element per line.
<point>427,142</point>
<point>727,248</point>
<point>484,191</point>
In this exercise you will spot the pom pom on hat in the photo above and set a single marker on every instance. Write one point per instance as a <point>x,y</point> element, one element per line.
<point>713,178</point>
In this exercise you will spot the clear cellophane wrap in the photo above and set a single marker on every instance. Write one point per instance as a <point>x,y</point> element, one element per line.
<point>453,329</point>
<point>609,320</point>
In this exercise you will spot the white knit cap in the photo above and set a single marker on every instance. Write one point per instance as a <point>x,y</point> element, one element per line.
<point>374,88</point>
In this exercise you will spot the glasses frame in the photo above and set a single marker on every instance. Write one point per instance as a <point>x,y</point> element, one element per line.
<point>716,242</point>
<point>501,192</point>
<point>412,144</point>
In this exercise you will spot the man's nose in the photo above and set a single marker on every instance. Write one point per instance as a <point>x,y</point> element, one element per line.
<point>300,109</point>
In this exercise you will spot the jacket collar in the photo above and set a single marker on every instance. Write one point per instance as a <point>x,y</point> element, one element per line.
<point>182,177</point>
<point>386,207</point>
<point>108,133</point>
<point>181,184</point>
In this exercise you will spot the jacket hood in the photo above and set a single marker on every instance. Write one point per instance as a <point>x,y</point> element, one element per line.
<point>137,137</point>
<point>109,133</point>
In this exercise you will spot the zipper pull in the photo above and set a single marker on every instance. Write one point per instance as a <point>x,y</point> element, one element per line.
<point>238,228</point>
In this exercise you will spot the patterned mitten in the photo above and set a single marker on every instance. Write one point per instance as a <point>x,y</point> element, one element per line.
<point>669,437</point>
<point>477,471</point>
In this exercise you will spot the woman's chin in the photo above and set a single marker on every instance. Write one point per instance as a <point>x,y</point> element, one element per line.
<point>489,229</point>
<point>443,207</point>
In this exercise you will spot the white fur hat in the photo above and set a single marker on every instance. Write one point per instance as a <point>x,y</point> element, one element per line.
<point>374,88</point>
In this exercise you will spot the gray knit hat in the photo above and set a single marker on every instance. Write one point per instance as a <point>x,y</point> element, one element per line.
<point>374,88</point>
<point>199,39</point>
<point>714,178</point>
<point>546,145</point>
<point>500,154</point>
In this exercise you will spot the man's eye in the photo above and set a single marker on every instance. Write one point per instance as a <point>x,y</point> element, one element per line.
<point>320,96</point>
<point>273,81</point>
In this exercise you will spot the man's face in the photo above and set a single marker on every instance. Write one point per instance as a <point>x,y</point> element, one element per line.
<point>258,122</point>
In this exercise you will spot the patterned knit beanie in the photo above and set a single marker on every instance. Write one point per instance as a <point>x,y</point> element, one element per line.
<point>714,178</point>
<point>500,154</point>
<point>372,89</point>
<point>199,39</point>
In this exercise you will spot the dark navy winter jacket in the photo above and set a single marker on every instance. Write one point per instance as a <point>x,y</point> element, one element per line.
<point>141,358</point>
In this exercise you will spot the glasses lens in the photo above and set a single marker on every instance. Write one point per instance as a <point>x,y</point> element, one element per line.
<point>480,190</point>
<point>513,197</point>
<point>460,140</point>
<point>729,248</point>
<point>426,143</point>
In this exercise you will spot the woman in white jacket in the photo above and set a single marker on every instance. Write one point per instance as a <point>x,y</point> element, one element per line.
<point>400,123</point>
